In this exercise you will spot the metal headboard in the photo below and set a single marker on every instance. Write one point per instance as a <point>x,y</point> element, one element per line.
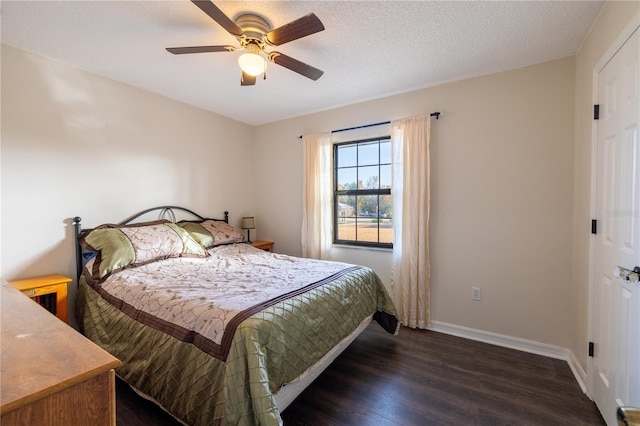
<point>164,212</point>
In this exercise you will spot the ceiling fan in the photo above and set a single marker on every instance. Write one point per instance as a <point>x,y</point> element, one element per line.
<point>254,35</point>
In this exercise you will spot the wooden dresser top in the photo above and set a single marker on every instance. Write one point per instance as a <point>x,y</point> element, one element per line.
<point>40,354</point>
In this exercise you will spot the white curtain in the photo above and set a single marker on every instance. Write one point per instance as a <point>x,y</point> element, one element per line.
<point>317,224</point>
<point>410,192</point>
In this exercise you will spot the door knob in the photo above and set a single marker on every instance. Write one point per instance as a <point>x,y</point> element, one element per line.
<point>629,275</point>
<point>628,416</point>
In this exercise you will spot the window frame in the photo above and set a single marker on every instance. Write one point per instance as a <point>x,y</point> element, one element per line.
<point>358,192</point>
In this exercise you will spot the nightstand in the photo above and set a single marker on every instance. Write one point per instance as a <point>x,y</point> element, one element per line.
<point>264,245</point>
<point>50,291</point>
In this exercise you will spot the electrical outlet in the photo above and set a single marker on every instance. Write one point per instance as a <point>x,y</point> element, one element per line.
<point>475,293</point>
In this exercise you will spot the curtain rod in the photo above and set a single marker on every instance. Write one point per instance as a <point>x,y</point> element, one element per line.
<point>433,114</point>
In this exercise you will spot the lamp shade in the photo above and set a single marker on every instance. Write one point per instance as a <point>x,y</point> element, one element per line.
<point>248,222</point>
<point>252,63</point>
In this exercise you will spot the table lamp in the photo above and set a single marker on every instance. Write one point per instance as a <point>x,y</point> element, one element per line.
<point>248,223</point>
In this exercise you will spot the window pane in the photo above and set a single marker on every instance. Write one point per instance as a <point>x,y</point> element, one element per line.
<point>386,233</point>
<point>368,153</point>
<point>385,152</point>
<point>368,230</point>
<point>368,177</point>
<point>385,176</point>
<point>347,178</point>
<point>385,208</point>
<point>386,222</point>
<point>346,206</point>
<point>347,230</point>
<point>367,218</point>
<point>367,206</point>
<point>346,222</point>
<point>347,155</point>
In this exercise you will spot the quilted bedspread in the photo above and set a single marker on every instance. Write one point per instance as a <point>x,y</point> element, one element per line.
<point>212,340</point>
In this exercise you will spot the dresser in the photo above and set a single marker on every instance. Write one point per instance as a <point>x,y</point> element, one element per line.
<point>51,374</point>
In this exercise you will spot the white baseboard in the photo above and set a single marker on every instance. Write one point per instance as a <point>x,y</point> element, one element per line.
<point>524,345</point>
<point>578,371</point>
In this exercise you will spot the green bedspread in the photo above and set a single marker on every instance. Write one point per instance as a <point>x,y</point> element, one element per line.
<point>269,349</point>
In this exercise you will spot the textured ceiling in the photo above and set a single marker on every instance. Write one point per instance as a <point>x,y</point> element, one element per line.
<point>369,49</point>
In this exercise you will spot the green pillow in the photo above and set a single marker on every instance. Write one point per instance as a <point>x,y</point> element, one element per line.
<point>201,235</point>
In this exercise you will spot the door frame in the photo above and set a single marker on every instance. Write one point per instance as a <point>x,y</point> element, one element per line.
<point>631,27</point>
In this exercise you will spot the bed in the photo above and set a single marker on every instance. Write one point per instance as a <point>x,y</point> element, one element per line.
<point>210,328</point>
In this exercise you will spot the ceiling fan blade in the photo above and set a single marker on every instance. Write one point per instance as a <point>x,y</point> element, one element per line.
<point>217,15</point>
<point>295,65</point>
<point>247,80</point>
<point>301,27</point>
<point>200,49</point>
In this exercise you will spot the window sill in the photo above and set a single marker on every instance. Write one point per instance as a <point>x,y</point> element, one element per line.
<point>349,246</point>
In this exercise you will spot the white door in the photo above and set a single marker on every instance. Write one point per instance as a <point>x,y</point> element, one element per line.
<point>616,302</point>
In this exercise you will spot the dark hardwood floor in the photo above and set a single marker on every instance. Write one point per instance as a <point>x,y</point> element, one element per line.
<point>422,378</point>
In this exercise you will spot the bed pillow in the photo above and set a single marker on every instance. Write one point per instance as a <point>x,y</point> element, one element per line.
<point>211,233</point>
<point>199,233</point>
<point>122,246</point>
<point>222,232</point>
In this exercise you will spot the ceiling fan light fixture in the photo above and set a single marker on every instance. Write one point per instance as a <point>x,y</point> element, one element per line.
<point>254,34</point>
<point>252,63</point>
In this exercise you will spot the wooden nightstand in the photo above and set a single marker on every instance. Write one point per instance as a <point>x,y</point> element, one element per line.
<point>50,291</point>
<point>264,245</point>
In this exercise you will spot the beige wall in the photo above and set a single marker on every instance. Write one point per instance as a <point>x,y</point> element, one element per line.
<point>77,144</point>
<point>501,195</point>
<point>614,18</point>
<point>511,178</point>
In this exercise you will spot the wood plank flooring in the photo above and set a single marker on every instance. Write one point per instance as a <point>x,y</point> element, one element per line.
<point>421,378</point>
